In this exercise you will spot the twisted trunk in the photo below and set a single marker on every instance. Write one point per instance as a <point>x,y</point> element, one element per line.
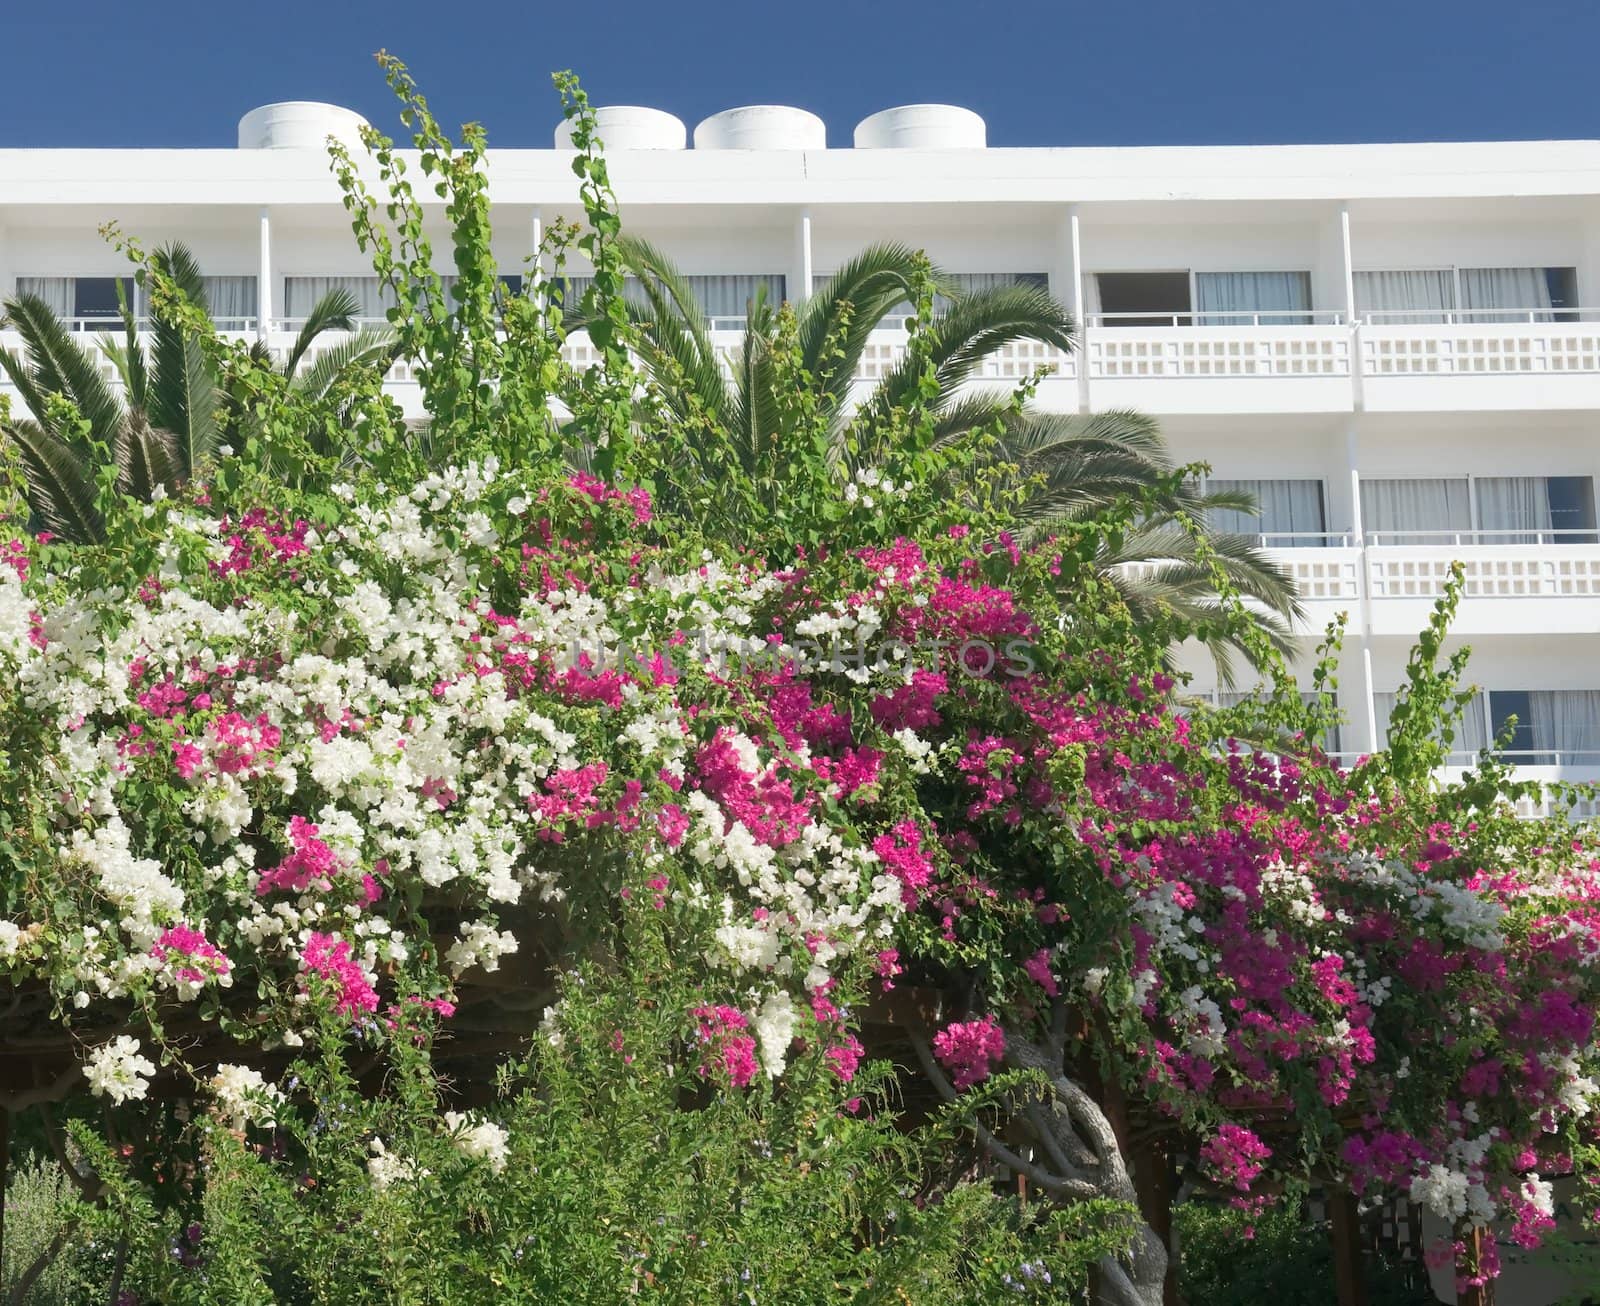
<point>1073,1124</point>
<point>1085,1161</point>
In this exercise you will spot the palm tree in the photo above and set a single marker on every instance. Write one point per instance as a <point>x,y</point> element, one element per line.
<point>1072,466</point>
<point>170,415</point>
<point>1069,467</point>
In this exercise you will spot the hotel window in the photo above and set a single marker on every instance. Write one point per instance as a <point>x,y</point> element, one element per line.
<point>1471,732</point>
<point>1482,509</point>
<point>1232,698</point>
<point>727,297</point>
<point>1467,294</point>
<point>90,302</point>
<point>1292,512</point>
<point>1553,725</point>
<point>231,301</point>
<point>1253,298</point>
<point>1417,509</point>
<point>373,298</point>
<point>1137,299</point>
<point>965,283</point>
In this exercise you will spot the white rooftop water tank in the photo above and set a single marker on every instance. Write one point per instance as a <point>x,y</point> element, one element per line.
<point>630,127</point>
<point>922,127</point>
<point>762,127</point>
<point>298,124</point>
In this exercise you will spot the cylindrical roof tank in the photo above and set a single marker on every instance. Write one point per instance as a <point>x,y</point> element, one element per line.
<point>922,127</point>
<point>298,124</point>
<point>762,127</point>
<point>631,127</point>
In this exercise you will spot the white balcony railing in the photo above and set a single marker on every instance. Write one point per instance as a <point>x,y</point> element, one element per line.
<point>1495,347</point>
<point>1436,539</point>
<point>1507,571</point>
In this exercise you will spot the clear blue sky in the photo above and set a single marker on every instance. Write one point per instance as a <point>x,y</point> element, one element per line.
<point>1042,72</point>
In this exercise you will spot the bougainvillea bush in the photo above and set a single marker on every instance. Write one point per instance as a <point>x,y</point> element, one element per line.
<point>487,858</point>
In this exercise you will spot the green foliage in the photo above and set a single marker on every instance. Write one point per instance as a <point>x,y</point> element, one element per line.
<point>1230,1259</point>
<point>50,1241</point>
<point>627,1175</point>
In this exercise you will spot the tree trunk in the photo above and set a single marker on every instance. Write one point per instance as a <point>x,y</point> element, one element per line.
<point>1082,1131</point>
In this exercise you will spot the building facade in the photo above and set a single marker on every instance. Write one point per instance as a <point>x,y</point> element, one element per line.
<point>1390,345</point>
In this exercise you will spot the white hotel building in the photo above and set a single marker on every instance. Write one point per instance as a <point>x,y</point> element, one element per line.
<point>1390,344</point>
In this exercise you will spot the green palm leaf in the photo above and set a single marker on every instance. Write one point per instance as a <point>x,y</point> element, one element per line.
<point>60,492</point>
<point>62,366</point>
<point>335,311</point>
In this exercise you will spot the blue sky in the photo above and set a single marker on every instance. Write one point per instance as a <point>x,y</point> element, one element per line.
<point>1042,72</point>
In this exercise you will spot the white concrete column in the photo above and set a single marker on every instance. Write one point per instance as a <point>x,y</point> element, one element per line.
<point>1347,264</point>
<point>1358,394</point>
<point>1352,466</point>
<point>1589,270</point>
<point>536,248</point>
<point>1073,271</point>
<point>800,273</point>
<point>1363,710</point>
<point>264,304</point>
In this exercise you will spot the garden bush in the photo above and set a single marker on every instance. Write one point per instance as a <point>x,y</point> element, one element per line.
<point>566,848</point>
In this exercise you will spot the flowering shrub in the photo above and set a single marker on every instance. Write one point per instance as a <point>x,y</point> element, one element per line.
<point>357,769</point>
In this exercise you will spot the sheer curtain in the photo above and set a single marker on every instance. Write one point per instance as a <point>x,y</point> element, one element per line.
<point>55,291</point>
<point>1506,288</point>
<point>1421,295</point>
<point>1291,508</point>
<point>1421,503</point>
<point>232,301</point>
<point>1471,731</point>
<point>1565,720</point>
<point>733,296</point>
<point>373,300</point>
<point>1514,503</point>
<point>1253,292</point>
<point>718,296</point>
<point>1091,296</point>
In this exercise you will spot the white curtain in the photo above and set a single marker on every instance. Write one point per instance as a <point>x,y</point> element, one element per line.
<point>718,296</point>
<point>1421,295</point>
<point>301,294</point>
<point>1091,296</point>
<point>733,296</point>
<point>1565,720</point>
<point>232,301</point>
<point>1290,508</point>
<point>1253,292</point>
<point>1471,731</point>
<point>57,292</point>
<point>1421,503</point>
<point>1513,503</point>
<point>1506,288</point>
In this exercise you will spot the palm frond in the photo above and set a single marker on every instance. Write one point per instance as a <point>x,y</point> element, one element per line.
<point>334,311</point>
<point>374,347</point>
<point>63,366</point>
<point>60,492</point>
<point>146,458</point>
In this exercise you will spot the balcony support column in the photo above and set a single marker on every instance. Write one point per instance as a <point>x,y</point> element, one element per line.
<point>800,277</point>
<point>536,253</point>
<point>1066,284</point>
<point>1364,712</point>
<point>264,304</point>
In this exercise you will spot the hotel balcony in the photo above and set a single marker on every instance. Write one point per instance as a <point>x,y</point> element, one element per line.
<point>1552,578</point>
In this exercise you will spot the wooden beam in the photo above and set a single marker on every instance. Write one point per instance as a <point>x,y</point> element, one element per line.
<point>1349,1272</point>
